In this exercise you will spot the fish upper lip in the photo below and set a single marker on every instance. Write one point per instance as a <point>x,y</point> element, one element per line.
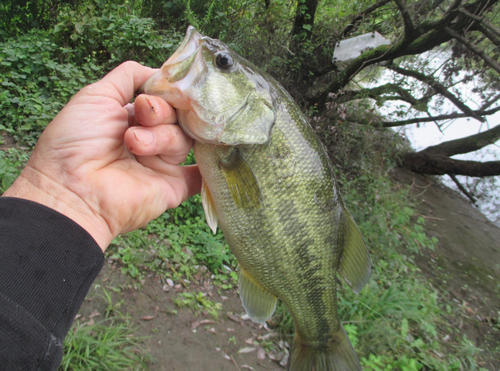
<point>189,45</point>
<point>179,64</point>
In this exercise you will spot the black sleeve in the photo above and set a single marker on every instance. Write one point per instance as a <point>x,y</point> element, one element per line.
<point>47,264</point>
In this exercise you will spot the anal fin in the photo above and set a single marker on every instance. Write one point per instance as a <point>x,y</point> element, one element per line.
<point>355,264</point>
<point>259,303</point>
<point>208,207</point>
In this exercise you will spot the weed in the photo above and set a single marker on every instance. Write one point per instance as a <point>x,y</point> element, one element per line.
<point>198,302</point>
<point>106,345</point>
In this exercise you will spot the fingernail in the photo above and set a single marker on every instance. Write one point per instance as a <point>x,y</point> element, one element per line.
<point>150,104</point>
<point>145,137</point>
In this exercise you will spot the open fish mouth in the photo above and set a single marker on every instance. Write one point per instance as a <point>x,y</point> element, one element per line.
<point>179,72</point>
<point>178,65</point>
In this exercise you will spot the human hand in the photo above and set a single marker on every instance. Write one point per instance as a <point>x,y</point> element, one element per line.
<point>81,165</point>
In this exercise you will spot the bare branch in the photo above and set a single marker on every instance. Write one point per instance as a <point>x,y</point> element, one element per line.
<point>462,188</point>
<point>490,61</point>
<point>482,20</point>
<point>438,164</point>
<point>451,116</point>
<point>490,102</point>
<point>377,93</point>
<point>438,88</point>
<point>492,37</point>
<point>466,145</point>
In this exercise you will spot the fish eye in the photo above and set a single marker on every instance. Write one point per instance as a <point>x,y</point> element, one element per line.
<point>223,60</point>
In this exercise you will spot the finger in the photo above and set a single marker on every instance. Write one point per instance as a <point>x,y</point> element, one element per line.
<point>168,140</point>
<point>183,181</point>
<point>131,114</point>
<point>152,111</point>
<point>121,83</point>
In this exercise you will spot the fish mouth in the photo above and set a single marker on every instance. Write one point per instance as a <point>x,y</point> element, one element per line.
<point>179,72</point>
<point>178,65</point>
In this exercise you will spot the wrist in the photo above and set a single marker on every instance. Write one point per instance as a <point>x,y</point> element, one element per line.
<point>35,186</point>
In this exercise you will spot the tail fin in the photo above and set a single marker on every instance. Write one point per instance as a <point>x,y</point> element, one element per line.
<point>339,356</point>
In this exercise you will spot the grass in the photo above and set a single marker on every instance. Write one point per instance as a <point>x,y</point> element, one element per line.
<point>106,345</point>
<point>109,344</point>
<point>397,322</point>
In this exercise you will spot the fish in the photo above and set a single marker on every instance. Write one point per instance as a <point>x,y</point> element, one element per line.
<point>269,185</point>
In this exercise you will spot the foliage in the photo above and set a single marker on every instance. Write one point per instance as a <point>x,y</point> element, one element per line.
<point>106,345</point>
<point>197,302</point>
<point>11,163</point>
<point>42,69</point>
<point>37,80</point>
<point>46,56</point>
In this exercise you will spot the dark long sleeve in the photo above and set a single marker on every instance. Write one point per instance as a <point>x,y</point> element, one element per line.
<point>47,264</point>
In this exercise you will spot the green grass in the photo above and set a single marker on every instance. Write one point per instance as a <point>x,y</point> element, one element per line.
<point>106,345</point>
<point>109,344</point>
<point>397,322</point>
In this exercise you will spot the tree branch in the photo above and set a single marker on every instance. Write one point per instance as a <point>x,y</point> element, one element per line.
<point>491,36</point>
<point>462,188</point>
<point>466,145</point>
<point>446,19</point>
<point>490,102</point>
<point>407,20</point>
<point>427,36</point>
<point>349,28</point>
<point>451,116</point>
<point>482,20</point>
<point>377,92</point>
<point>490,61</point>
<point>438,88</point>
<point>438,164</point>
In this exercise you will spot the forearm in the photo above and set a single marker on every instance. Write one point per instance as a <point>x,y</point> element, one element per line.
<point>47,264</point>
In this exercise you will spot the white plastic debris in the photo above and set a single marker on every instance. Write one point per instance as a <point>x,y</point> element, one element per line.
<point>350,49</point>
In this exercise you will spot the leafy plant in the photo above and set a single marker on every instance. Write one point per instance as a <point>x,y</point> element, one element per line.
<point>109,344</point>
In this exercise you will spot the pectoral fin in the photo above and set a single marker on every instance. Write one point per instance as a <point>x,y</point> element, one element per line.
<point>355,264</point>
<point>241,180</point>
<point>208,206</point>
<point>259,303</point>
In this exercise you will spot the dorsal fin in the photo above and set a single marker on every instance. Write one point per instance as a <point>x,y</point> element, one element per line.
<point>355,264</point>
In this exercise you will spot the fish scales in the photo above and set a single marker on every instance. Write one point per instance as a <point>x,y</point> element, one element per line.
<point>283,242</point>
<point>270,187</point>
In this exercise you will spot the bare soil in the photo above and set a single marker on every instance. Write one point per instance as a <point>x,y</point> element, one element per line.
<point>465,267</point>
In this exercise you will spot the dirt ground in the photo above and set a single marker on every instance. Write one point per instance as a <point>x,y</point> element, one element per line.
<point>465,266</point>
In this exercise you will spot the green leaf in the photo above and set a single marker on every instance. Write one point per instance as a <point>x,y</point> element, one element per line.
<point>7,180</point>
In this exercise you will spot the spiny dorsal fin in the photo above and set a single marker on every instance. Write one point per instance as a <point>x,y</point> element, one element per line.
<point>259,303</point>
<point>208,206</point>
<point>241,180</point>
<point>355,265</point>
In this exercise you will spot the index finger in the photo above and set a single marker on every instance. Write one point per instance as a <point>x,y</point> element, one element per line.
<point>121,83</point>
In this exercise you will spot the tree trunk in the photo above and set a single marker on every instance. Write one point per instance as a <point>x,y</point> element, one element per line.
<point>304,16</point>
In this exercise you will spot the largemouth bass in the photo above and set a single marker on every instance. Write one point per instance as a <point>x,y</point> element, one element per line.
<point>269,185</point>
